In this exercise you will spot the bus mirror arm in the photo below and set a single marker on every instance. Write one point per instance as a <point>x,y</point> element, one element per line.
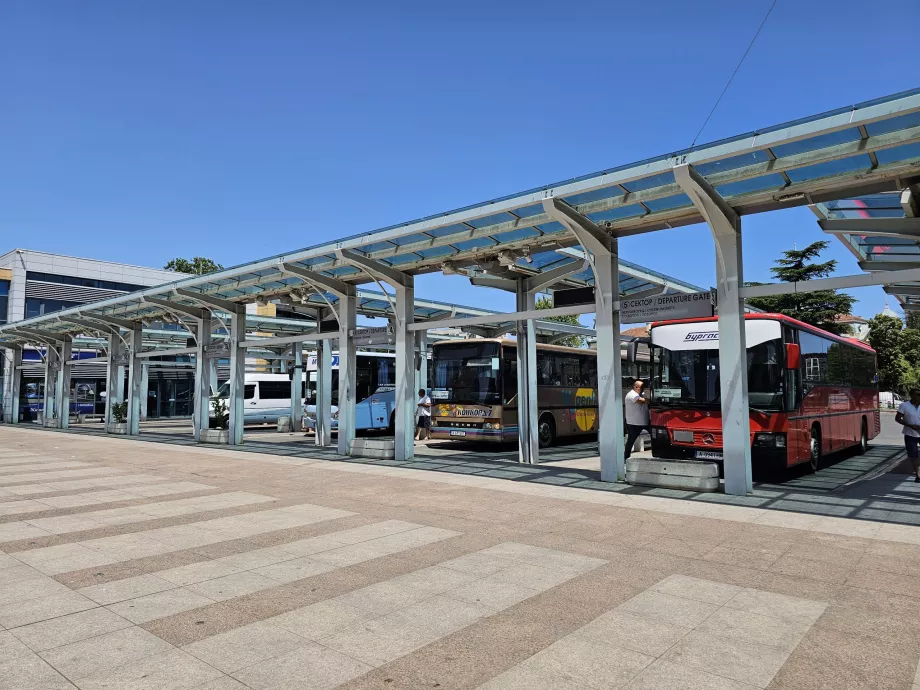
<point>793,356</point>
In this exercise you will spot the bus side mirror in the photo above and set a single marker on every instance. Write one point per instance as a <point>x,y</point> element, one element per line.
<point>793,356</point>
<point>632,347</point>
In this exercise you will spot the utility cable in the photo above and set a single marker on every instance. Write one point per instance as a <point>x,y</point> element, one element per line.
<point>731,78</point>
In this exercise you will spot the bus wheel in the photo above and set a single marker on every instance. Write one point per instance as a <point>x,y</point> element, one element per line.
<point>546,431</point>
<point>863,437</point>
<point>814,458</point>
<point>392,428</point>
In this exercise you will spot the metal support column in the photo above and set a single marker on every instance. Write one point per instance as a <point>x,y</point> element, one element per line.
<point>237,377</point>
<point>50,380</point>
<point>205,368</point>
<point>347,365</point>
<point>324,393</point>
<point>145,388</point>
<point>297,386</point>
<point>527,411</point>
<point>406,392</point>
<point>726,233</point>
<point>62,385</point>
<point>421,362</point>
<point>112,382</point>
<point>135,398</point>
<point>11,385</point>
<point>601,250</point>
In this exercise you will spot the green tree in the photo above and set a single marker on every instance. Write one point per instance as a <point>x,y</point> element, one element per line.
<point>909,345</point>
<point>816,308</point>
<point>544,302</point>
<point>913,319</point>
<point>199,265</point>
<point>885,333</point>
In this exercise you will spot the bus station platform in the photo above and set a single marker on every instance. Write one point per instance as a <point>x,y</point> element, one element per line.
<point>148,564</point>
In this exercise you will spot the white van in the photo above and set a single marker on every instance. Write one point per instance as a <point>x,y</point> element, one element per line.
<point>889,399</point>
<point>266,397</point>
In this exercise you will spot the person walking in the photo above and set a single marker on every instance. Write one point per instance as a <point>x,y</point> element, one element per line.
<point>637,416</point>
<point>423,415</point>
<point>908,417</point>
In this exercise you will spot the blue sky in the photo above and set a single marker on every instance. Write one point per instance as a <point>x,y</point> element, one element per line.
<point>136,132</point>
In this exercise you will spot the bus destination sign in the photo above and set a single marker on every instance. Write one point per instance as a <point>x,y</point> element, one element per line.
<point>679,305</point>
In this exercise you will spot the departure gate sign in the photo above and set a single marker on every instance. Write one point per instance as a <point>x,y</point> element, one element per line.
<point>679,305</point>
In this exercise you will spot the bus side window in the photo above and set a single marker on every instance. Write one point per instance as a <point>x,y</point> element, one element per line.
<point>589,371</point>
<point>509,375</point>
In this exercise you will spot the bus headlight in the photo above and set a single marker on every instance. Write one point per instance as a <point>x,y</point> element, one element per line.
<point>659,433</point>
<point>769,440</point>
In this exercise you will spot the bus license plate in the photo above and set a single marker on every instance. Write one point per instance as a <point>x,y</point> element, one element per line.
<point>708,455</point>
<point>458,433</point>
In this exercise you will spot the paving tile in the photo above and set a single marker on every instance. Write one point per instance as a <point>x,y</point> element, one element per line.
<point>782,633</point>
<point>159,605</point>
<point>11,647</point>
<point>196,572</point>
<point>242,647</point>
<point>127,588</point>
<point>169,670</point>
<point>697,589</point>
<point>670,609</point>
<point>619,628</point>
<point>779,605</point>
<point>105,652</point>
<point>664,675</point>
<point>44,608</point>
<point>437,580</point>
<point>590,663</point>
<point>232,586</point>
<point>311,667</point>
<point>31,673</point>
<point>492,593</point>
<point>383,597</point>
<point>321,619</point>
<point>18,573</point>
<point>295,569</point>
<point>731,658</point>
<point>223,683</point>
<point>479,563</point>
<point>68,629</point>
<point>530,677</point>
<point>250,560</point>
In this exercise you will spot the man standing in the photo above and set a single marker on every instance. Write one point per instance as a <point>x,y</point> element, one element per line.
<point>637,416</point>
<point>909,417</point>
<point>423,425</point>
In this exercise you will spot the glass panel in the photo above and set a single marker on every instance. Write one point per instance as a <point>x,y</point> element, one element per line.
<point>668,202</point>
<point>435,252</point>
<point>814,143</point>
<point>475,243</point>
<point>528,211</point>
<point>594,195</point>
<point>732,163</point>
<point>411,239</point>
<point>838,167</point>
<point>893,124</point>
<point>658,180</point>
<point>514,235</point>
<point>898,153</point>
<point>629,211</point>
<point>754,184</point>
<point>491,220</point>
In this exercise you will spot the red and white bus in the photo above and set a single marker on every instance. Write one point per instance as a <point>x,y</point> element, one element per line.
<point>810,392</point>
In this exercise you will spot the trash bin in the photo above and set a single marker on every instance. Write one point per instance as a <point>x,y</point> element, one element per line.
<point>284,425</point>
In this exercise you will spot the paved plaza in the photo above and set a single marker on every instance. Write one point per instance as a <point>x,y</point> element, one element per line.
<point>131,564</point>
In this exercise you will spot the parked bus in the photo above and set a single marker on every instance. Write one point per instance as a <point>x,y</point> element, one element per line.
<point>474,390</point>
<point>810,392</point>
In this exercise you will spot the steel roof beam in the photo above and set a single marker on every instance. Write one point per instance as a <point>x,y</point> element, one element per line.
<point>43,336</point>
<point>317,280</point>
<point>878,227</point>
<point>890,266</point>
<point>127,324</point>
<point>910,201</point>
<point>497,283</point>
<point>546,279</point>
<point>882,277</point>
<point>98,327</point>
<point>902,290</point>
<point>376,269</point>
<point>184,309</point>
<point>211,301</point>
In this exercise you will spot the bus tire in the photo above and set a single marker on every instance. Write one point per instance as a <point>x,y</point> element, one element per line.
<point>391,429</point>
<point>546,431</point>
<point>814,455</point>
<point>863,437</point>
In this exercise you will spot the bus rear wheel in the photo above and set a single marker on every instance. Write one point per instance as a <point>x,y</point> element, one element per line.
<point>863,437</point>
<point>814,457</point>
<point>546,431</point>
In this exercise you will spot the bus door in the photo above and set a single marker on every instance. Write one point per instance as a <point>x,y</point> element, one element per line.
<point>797,434</point>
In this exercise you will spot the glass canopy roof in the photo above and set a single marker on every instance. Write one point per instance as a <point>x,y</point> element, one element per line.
<point>844,154</point>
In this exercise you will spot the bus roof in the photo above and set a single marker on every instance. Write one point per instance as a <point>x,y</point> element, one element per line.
<point>513,343</point>
<point>782,318</point>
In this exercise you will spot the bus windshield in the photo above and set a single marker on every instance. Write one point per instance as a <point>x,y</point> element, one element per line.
<point>690,378</point>
<point>467,372</point>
